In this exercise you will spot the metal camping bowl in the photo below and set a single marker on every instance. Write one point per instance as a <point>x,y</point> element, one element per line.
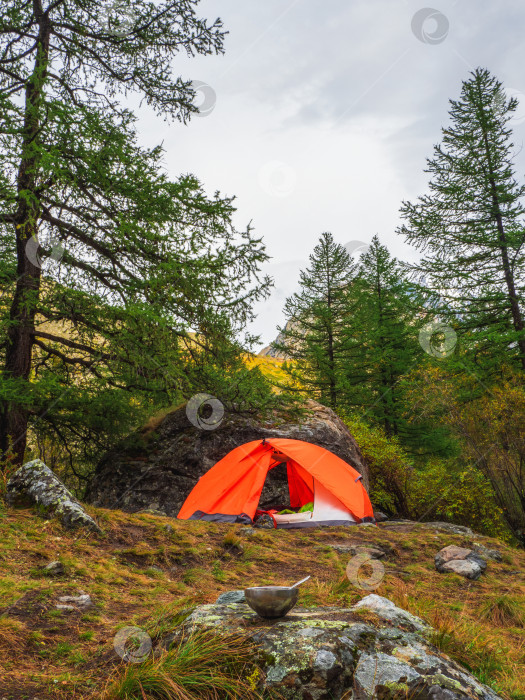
<point>271,601</point>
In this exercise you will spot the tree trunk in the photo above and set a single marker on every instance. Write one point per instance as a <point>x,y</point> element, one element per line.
<point>14,416</point>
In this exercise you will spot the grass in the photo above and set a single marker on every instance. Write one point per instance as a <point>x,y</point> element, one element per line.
<point>503,611</point>
<point>70,656</point>
<point>202,666</point>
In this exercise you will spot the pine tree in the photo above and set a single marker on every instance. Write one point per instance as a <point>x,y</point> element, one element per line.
<point>470,228</point>
<point>384,314</point>
<point>313,337</point>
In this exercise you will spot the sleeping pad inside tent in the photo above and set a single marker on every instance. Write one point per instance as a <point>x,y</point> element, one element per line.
<point>230,491</point>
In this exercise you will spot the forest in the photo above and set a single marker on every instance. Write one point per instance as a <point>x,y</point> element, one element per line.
<point>125,292</point>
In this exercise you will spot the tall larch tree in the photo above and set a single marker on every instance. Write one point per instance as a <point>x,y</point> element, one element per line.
<point>313,336</point>
<point>109,270</point>
<point>470,227</point>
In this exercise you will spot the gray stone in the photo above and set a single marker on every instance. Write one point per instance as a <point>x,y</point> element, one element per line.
<point>380,516</point>
<point>450,553</point>
<point>324,660</point>
<point>450,527</point>
<point>387,610</point>
<point>487,553</point>
<point>353,549</point>
<point>70,602</point>
<point>462,567</point>
<point>231,597</point>
<point>460,560</point>
<point>55,568</point>
<point>247,531</point>
<point>34,484</point>
<point>327,653</point>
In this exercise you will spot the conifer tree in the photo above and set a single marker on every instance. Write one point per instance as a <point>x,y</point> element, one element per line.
<point>470,228</point>
<point>383,317</point>
<point>112,275</point>
<point>313,337</point>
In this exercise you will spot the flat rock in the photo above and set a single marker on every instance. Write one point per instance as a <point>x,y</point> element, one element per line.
<point>55,568</point>
<point>34,484</point>
<point>330,653</point>
<point>450,527</point>
<point>459,560</point>
<point>449,553</point>
<point>230,597</point>
<point>387,610</point>
<point>487,553</point>
<point>352,549</point>
<point>71,602</point>
<point>462,567</point>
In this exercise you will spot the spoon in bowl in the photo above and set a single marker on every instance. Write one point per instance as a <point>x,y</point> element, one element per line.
<point>299,582</point>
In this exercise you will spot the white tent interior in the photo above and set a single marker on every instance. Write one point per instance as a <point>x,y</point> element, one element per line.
<point>326,508</point>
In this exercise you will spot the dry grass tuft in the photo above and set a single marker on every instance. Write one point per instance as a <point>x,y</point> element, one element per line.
<point>503,611</point>
<point>202,666</point>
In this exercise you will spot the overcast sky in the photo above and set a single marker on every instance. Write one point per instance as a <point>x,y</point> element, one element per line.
<point>324,114</point>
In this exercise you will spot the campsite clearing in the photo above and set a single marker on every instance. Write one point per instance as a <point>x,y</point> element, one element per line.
<point>144,569</point>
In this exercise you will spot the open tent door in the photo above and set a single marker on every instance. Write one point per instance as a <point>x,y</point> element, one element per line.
<point>328,508</point>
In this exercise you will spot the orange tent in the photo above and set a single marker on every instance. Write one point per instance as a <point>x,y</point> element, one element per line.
<point>231,489</point>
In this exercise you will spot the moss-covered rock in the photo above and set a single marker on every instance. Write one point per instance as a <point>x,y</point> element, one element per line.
<point>34,484</point>
<point>316,654</point>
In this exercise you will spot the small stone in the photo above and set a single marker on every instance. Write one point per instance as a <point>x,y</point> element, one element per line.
<point>487,553</point>
<point>386,609</point>
<point>55,568</point>
<point>477,559</point>
<point>82,601</point>
<point>380,516</point>
<point>169,529</point>
<point>231,598</point>
<point>352,549</point>
<point>247,531</point>
<point>449,553</point>
<point>324,660</point>
<point>265,521</point>
<point>463,567</point>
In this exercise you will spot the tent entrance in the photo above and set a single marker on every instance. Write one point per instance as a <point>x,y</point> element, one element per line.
<point>327,509</point>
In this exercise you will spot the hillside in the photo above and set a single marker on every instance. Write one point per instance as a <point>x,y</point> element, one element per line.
<point>143,569</point>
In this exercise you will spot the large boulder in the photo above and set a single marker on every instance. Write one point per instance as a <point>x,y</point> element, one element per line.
<point>371,650</point>
<point>34,484</point>
<point>156,468</point>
